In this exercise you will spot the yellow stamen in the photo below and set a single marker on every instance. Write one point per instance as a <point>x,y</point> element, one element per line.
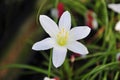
<point>62,37</point>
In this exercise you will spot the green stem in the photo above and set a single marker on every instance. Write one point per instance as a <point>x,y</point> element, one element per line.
<point>40,8</point>
<point>89,56</point>
<point>50,63</point>
<point>56,3</point>
<point>100,68</point>
<point>116,75</point>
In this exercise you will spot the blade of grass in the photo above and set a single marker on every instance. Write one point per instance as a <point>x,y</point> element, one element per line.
<point>23,66</point>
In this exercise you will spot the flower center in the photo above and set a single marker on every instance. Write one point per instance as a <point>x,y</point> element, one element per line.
<point>62,37</point>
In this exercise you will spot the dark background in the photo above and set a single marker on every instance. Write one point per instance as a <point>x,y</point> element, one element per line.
<point>13,13</point>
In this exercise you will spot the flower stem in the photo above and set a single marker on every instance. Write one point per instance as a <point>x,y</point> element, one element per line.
<point>50,63</point>
<point>56,3</point>
<point>40,8</point>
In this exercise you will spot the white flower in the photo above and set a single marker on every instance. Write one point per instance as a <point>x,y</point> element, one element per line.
<point>62,38</point>
<point>117,26</point>
<point>115,7</point>
<point>46,78</point>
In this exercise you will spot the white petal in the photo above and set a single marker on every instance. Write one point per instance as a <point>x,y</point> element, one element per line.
<point>65,21</point>
<point>115,7</point>
<point>44,44</point>
<point>79,32</point>
<point>117,26</point>
<point>59,54</point>
<point>77,48</point>
<point>49,25</point>
<point>47,78</point>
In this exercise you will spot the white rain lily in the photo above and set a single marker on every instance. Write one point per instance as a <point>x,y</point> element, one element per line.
<point>46,78</point>
<point>62,38</point>
<point>114,7</point>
